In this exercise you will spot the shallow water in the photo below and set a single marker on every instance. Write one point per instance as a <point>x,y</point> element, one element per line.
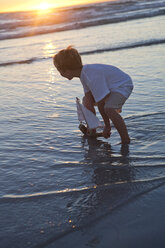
<point>54,180</point>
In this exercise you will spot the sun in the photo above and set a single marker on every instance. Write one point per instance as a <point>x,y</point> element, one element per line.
<point>43,8</point>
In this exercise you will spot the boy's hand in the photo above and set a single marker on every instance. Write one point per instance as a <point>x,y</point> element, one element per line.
<point>107,132</point>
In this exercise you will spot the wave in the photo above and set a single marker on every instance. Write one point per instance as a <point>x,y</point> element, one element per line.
<point>78,25</point>
<point>26,61</point>
<point>27,24</point>
<point>102,50</point>
<point>144,115</point>
<point>129,46</point>
<point>83,189</point>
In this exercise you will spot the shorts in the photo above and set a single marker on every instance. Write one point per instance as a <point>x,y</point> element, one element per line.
<point>115,100</point>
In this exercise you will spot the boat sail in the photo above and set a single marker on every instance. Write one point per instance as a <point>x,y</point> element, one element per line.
<point>87,116</point>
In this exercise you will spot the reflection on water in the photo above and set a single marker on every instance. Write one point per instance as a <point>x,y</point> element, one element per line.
<point>111,175</point>
<point>106,178</point>
<point>48,49</point>
<point>108,167</point>
<point>116,181</point>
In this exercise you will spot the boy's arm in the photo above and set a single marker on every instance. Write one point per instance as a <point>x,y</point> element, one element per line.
<point>89,101</point>
<point>107,128</point>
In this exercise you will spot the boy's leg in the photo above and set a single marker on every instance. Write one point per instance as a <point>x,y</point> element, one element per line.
<point>119,124</point>
<point>113,106</point>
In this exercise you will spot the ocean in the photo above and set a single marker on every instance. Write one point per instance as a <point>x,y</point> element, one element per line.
<point>54,181</point>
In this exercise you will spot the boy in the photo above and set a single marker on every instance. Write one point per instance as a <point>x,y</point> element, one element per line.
<point>104,85</point>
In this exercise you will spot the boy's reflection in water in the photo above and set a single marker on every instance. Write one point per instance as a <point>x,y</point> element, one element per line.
<point>108,173</point>
<point>109,166</point>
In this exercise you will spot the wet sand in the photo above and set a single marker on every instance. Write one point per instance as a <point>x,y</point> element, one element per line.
<point>139,223</point>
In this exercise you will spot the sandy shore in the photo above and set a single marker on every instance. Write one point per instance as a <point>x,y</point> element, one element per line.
<point>138,224</point>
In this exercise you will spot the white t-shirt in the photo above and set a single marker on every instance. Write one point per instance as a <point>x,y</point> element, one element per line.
<point>102,79</point>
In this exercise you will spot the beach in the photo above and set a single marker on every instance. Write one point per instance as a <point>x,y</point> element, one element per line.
<point>135,224</point>
<point>59,188</point>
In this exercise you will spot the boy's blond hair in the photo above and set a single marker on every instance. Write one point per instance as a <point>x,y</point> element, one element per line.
<point>68,58</point>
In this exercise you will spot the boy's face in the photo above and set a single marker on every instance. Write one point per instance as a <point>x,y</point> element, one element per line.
<point>67,73</point>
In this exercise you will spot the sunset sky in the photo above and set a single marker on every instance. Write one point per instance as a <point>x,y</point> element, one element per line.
<point>18,5</point>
